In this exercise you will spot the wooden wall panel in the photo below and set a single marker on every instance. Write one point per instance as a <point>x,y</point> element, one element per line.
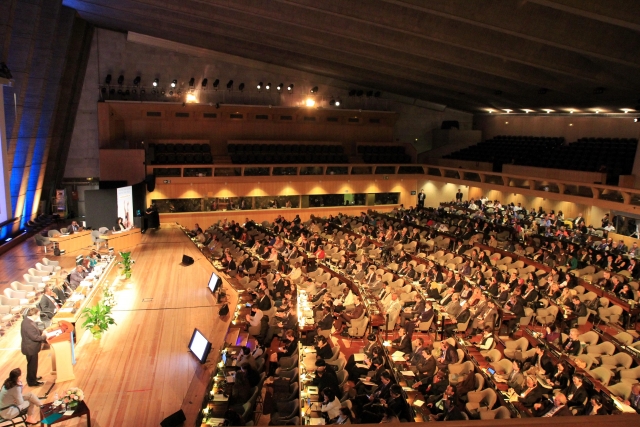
<point>129,121</point>
<point>116,165</point>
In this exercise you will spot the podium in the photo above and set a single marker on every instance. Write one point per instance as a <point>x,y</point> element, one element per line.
<point>61,342</point>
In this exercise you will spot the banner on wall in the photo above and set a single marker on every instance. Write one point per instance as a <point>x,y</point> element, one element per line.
<point>125,206</point>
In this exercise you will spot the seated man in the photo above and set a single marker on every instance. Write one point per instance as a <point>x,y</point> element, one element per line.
<point>572,345</point>
<point>449,355</point>
<point>323,349</point>
<point>415,311</point>
<point>558,409</point>
<point>77,276</point>
<point>403,342</point>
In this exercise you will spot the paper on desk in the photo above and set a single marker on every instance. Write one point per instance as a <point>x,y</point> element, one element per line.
<point>407,388</point>
<point>316,421</point>
<point>359,357</point>
<point>369,383</point>
<point>309,350</point>
<point>397,354</point>
<point>362,365</point>
<point>408,373</point>
<point>215,421</point>
<point>66,310</point>
<point>68,413</point>
<point>220,398</point>
<point>418,403</point>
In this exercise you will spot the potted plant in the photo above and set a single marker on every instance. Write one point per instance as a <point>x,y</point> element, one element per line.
<point>98,319</point>
<point>126,263</point>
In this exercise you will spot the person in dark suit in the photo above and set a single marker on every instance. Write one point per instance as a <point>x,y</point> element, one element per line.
<point>48,306</point>
<point>517,309</point>
<point>449,355</point>
<point>326,322</point>
<point>264,303</point>
<point>578,394</point>
<point>345,317</point>
<point>416,310</point>
<point>32,340</point>
<point>571,345</point>
<point>403,342</point>
<point>462,317</point>
<point>579,310</point>
<point>541,361</point>
<point>558,409</point>
<point>323,349</point>
<point>532,393</point>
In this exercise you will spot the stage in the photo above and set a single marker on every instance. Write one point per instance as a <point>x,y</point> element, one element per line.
<point>140,371</point>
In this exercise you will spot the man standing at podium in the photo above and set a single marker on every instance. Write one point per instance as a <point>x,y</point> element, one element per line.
<point>32,339</point>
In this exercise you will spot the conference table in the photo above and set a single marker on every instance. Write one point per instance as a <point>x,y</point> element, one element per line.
<point>85,295</point>
<point>72,242</point>
<point>120,240</point>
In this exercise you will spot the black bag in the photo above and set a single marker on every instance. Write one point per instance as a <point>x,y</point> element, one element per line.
<point>224,310</point>
<point>56,251</point>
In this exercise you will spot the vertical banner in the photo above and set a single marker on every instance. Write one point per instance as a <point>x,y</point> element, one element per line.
<point>125,206</point>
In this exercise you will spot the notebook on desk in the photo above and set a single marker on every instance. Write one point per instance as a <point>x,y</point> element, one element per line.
<point>359,357</point>
<point>312,389</point>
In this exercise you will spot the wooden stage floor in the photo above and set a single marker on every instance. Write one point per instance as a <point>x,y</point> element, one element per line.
<point>140,371</point>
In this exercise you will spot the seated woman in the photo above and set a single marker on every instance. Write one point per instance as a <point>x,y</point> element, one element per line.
<point>14,401</point>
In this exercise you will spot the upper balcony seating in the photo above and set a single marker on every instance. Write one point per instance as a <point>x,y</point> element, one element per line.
<point>179,154</point>
<point>286,153</point>
<point>383,154</point>
<point>614,156</point>
<point>509,149</point>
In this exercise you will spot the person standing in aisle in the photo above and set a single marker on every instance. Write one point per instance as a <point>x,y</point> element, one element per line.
<point>421,198</point>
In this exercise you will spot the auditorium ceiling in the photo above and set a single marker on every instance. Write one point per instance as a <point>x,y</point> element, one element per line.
<point>470,55</point>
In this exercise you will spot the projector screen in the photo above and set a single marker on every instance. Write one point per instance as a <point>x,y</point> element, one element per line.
<point>125,206</point>
<point>214,282</point>
<point>199,346</point>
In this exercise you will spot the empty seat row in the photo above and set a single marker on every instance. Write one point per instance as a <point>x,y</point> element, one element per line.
<point>180,148</point>
<point>287,158</point>
<point>284,148</point>
<point>182,159</point>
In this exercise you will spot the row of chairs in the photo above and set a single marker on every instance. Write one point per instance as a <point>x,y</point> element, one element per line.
<point>19,296</point>
<point>179,148</point>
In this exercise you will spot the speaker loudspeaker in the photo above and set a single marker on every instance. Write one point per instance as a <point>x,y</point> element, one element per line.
<point>151,183</point>
<point>187,260</point>
<point>176,419</point>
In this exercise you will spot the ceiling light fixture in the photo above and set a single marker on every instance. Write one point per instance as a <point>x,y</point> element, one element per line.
<point>268,86</point>
<point>230,84</point>
<point>280,86</point>
<point>174,83</point>
<point>192,82</point>
<point>107,80</point>
<point>241,87</point>
<point>216,83</point>
<point>136,81</point>
<point>121,80</point>
<point>314,89</point>
<point>204,83</point>
<point>290,87</point>
<point>507,110</point>
<point>156,82</point>
<point>259,86</point>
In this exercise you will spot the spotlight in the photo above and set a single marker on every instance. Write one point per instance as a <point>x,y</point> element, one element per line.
<point>155,82</point>
<point>290,87</point>
<point>162,92</point>
<point>127,92</point>
<point>377,94</point>
<point>259,85</point>
<point>192,82</point>
<point>142,92</point>
<point>310,102</point>
<point>314,89</point>
<point>332,102</point>
<point>352,92</point>
<point>268,86</point>
<point>230,84</point>
<point>204,83</point>
<point>360,93</point>
<point>337,102</point>
<point>174,83</point>
<point>112,91</point>
<point>108,79</point>
<point>136,81</point>
<point>280,86</point>
<point>103,90</point>
<point>241,87</point>
<point>216,83</point>
<point>170,93</point>
<point>121,79</point>
<point>369,93</point>
<point>120,92</point>
<point>635,120</point>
